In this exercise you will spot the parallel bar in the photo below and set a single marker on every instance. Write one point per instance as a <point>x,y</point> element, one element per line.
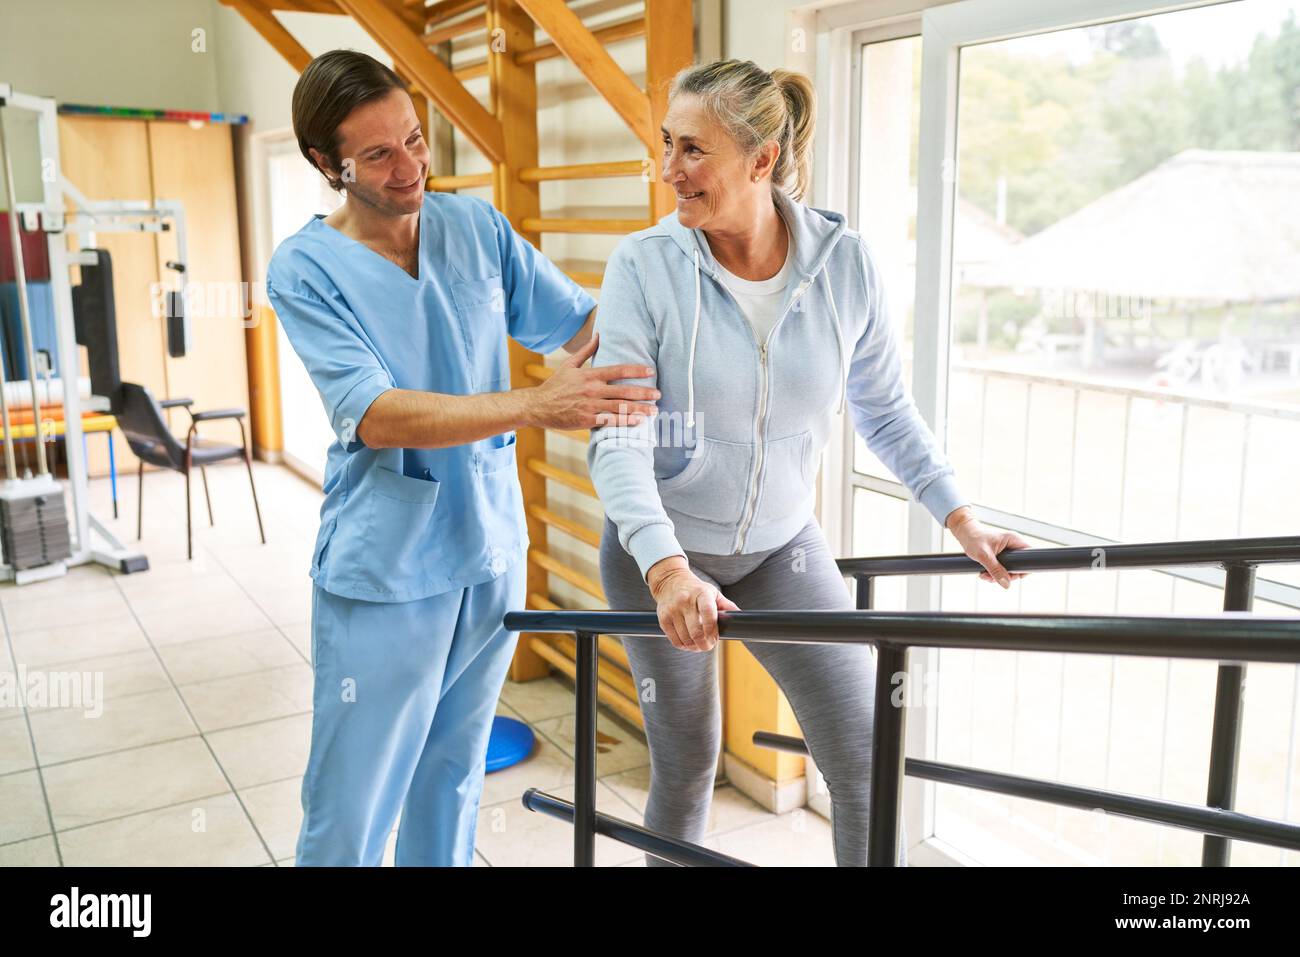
<point>607,672</point>
<point>887,759</point>
<point>584,798</point>
<point>1252,551</point>
<point>1233,636</point>
<point>1227,824</point>
<point>866,591</point>
<point>1225,741</point>
<point>666,848</point>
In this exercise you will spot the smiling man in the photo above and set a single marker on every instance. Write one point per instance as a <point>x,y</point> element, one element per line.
<point>399,304</point>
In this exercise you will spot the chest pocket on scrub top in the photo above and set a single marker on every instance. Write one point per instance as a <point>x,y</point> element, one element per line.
<point>481,311</point>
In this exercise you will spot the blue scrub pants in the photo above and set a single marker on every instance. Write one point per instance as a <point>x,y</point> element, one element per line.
<point>403,704</point>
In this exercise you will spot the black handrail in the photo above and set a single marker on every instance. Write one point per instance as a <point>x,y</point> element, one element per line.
<point>1239,558</point>
<point>1282,549</point>
<point>1234,638</point>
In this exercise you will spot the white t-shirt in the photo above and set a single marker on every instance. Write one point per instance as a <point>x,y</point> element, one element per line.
<point>760,300</point>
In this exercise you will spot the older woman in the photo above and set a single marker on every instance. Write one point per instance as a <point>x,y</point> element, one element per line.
<point>762,317</point>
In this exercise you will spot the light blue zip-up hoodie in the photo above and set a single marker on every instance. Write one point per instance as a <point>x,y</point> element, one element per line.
<point>728,465</point>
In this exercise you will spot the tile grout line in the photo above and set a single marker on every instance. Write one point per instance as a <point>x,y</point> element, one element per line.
<point>206,743</point>
<point>257,605</point>
<point>151,744</point>
<point>63,665</point>
<point>31,738</point>
<point>153,810</point>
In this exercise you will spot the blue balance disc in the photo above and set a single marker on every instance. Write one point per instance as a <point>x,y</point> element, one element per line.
<point>510,743</point>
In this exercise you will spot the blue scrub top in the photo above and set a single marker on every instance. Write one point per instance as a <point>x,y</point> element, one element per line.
<point>405,524</point>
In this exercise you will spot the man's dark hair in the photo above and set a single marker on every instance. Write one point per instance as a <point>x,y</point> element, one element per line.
<point>331,87</point>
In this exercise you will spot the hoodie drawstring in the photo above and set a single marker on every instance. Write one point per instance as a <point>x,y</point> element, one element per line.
<point>695,332</point>
<point>839,341</point>
<point>690,367</point>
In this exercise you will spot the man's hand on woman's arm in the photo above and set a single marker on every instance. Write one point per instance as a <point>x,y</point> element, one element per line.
<point>572,398</point>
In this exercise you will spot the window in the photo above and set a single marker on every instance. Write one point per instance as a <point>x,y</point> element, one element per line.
<point>1100,219</point>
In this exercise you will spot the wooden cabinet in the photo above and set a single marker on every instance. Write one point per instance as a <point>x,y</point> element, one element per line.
<point>110,158</point>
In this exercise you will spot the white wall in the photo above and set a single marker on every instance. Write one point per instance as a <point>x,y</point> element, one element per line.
<point>134,53</point>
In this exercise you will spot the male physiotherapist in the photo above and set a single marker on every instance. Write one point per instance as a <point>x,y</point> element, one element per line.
<point>399,304</point>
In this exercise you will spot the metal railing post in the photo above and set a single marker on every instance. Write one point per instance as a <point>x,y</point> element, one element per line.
<point>584,794</point>
<point>1229,697</point>
<point>887,753</point>
<point>865,591</point>
<point>887,758</point>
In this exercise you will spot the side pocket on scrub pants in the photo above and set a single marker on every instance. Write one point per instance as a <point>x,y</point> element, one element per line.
<point>322,545</point>
<point>401,511</point>
<point>502,503</point>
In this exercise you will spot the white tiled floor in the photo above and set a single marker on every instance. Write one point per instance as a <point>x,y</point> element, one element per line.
<point>198,755</point>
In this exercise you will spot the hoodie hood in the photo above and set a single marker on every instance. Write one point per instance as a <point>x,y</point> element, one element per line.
<point>814,233</point>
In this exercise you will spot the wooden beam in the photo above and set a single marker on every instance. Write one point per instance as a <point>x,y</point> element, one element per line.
<point>623,30</point>
<point>669,47</point>
<point>443,9</point>
<point>513,95</point>
<point>577,43</point>
<point>447,184</point>
<point>295,6</point>
<point>450,31</point>
<point>261,19</point>
<point>430,74</point>
<point>556,225</point>
<point>541,174</point>
<point>579,483</point>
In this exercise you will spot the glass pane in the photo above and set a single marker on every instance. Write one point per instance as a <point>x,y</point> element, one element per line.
<point>1126,307</point>
<point>1125,362</point>
<point>887,151</point>
<point>880,528</point>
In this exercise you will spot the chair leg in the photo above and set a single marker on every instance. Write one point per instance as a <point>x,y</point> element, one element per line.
<point>189,522</point>
<point>139,508</point>
<point>204,472</point>
<point>248,461</point>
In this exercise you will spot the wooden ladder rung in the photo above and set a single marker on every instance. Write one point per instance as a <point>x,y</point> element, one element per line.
<point>573,480</point>
<point>543,174</point>
<point>571,575</point>
<point>614,226</point>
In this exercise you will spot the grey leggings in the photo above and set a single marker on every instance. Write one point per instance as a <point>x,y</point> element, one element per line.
<point>829,687</point>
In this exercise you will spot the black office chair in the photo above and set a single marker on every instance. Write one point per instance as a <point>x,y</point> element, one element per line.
<point>141,420</point>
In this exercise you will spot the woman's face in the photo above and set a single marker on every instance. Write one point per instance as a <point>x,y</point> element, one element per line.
<point>713,179</point>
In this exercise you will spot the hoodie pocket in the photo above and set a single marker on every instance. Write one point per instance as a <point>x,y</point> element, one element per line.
<point>712,486</point>
<point>787,477</point>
